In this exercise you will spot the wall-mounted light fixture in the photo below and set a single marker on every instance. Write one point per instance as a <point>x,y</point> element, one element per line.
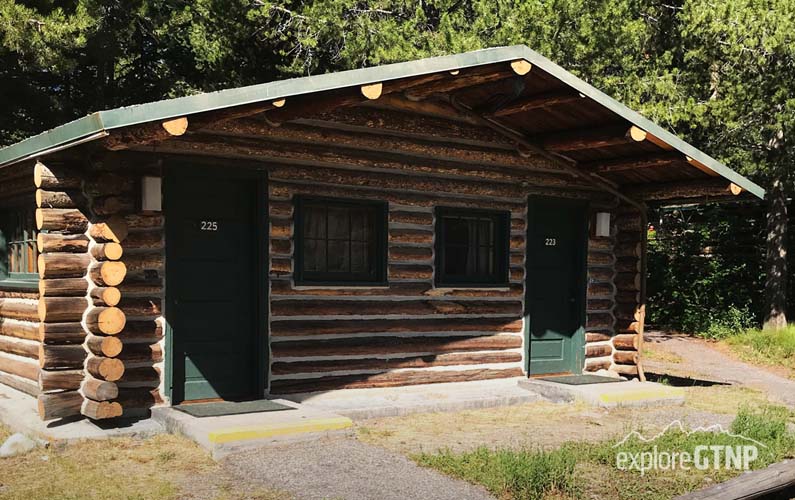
<point>151,196</point>
<point>602,223</point>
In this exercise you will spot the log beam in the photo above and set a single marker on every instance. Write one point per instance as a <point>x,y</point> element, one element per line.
<point>537,101</point>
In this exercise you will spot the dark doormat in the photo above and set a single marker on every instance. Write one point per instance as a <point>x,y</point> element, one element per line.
<point>222,408</point>
<point>581,379</point>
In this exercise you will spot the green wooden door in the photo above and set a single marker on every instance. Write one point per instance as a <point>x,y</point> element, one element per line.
<point>555,285</point>
<point>213,272</point>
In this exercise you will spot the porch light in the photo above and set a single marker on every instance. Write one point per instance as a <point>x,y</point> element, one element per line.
<point>603,224</point>
<point>151,198</point>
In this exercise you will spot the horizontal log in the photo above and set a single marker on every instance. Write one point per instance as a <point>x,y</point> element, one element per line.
<point>628,311</point>
<point>59,199</point>
<point>63,265</point>
<point>410,272</point>
<point>775,481</point>
<point>600,289</point>
<point>107,273</point>
<point>21,367</point>
<point>628,249</point>
<point>109,184</point>
<point>110,369</point>
<point>141,307</point>
<point>19,329</point>
<point>108,296</point>
<point>107,251</point>
<point>596,364</point>
<point>54,242</point>
<point>141,353</point>
<point>633,163</point>
<point>281,247</point>
<point>600,274</point>
<point>452,359</point>
<point>141,221</point>
<point>61,333</point>
<point>629,222</point>
<point>627,370</point>
<point>281,266</point>
<point>628,296</point>
<point>142,331</point>
<point>113,229</point>
<point>601,244</point>
<point>600,305</point>
<point>538,101</point>
<point>390,379</point>
<point>628,281</point>
<point>626,342</point>
<point>593,138</point>
<point>53,356</point>
<point>717,188</point>
<point>391,345</point>
<point>105,320</point>
<point>627,325</point>
<point>348,327</point>
<point>59,404</point>
<point>26,348</point>
<point>64,220</point>
<point>53,380</point>
<point>144,376</point>
<point>61,309</point>
<point>108,346</point>
<point>281,228</point>
<point>63,287</point>
<point>99,390</point>
<point>410,217</point>
<point>414,236</point>
<point>599,321</point>
<point>303,307</point>
<point>110,205</point>
<point>150,261</point>
<point>628,265</point>
<point>285,288</point>
<point>144,240</point>
<point>626,357</point>
<point>598,350</point>
<point>20,384</point>
<point>55,176</point>
<point>101,410</point>
<point>410,254</point>
<point>138,398</point>
<point>596,337</point>
<point>20,309</point>
<point>146,288</point>
<point>596,258</point>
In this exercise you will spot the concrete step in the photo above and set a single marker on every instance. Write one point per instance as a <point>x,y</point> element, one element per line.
<point>627,393</point>
<point>231,433</point>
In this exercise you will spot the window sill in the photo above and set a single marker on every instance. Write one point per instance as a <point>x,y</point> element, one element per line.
<point>17,285</point>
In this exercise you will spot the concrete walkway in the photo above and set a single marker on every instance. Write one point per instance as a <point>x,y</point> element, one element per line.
<point>395,401</point>
<point>699,360</point>
<point>339,468</point>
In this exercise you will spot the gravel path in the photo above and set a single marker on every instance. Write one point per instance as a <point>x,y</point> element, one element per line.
<point>701,360</point>
<point>342,468</point>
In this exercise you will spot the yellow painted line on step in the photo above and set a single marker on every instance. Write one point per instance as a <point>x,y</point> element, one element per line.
<point>231,434</point>
<point>619,397</point>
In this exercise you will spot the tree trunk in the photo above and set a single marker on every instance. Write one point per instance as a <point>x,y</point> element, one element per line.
<point>776,281</point>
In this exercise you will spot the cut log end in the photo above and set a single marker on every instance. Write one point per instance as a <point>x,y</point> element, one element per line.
<point>521,66</point>
<point>372,91</point>
<point>177,126</point>
<point>279,103</point>
<point>637,134</point>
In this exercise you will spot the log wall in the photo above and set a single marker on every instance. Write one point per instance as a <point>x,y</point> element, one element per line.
<point>19,318</point>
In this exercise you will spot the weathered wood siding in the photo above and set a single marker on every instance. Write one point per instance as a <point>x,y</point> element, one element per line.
<point>19,317</point>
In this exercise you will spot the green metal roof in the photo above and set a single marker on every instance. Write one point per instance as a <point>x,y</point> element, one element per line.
<point>101,122</point>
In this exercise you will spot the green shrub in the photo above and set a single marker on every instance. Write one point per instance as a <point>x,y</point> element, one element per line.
<point>773,347</point>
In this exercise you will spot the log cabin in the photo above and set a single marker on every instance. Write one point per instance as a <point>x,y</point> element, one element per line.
<point>457,218</point>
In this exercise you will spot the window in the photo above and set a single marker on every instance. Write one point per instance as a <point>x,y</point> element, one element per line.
<point>340,242</point>
<point>471,247</point>
<point>18,251</point>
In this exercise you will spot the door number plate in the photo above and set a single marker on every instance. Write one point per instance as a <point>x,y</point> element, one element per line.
<point>550,242</point>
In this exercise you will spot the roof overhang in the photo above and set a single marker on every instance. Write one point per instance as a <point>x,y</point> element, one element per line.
<point>99,124</point>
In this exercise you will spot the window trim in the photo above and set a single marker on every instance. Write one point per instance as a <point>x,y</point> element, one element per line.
<point>502,237</point>
<point>15,281</point>
<point>381,251</point>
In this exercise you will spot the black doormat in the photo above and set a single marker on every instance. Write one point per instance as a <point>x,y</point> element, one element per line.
<point>581,379</point>
<point>222,408</point>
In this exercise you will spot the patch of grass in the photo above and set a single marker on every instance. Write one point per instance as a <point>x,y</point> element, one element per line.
<point>658,354</point>
<point>157,468</point>
<point>511,474</point>
<point>578,470</point>
<point>725,399</point>
<point>767,347</point>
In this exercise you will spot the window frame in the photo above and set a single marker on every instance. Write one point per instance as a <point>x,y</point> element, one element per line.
<point>380,226</point>
<point>15,280</point>
<point>501,244</point>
